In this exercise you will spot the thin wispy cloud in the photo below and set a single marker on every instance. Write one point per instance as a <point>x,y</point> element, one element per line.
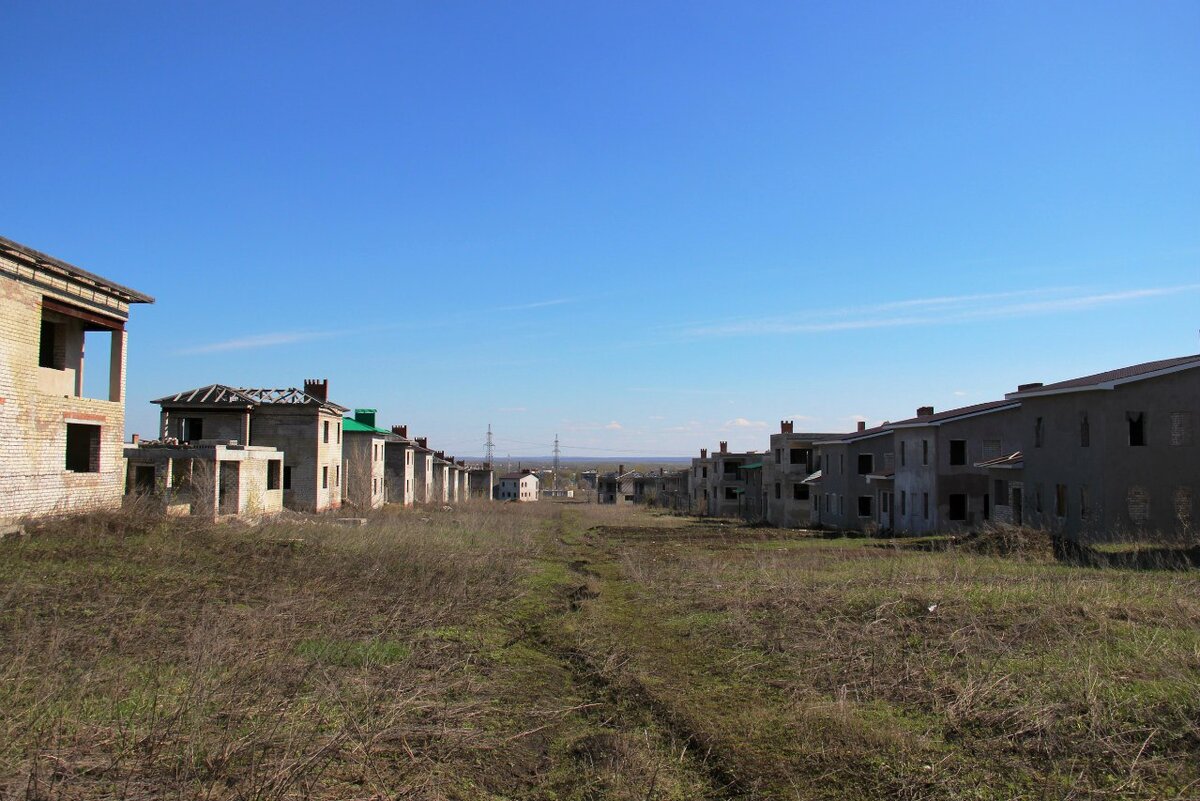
<point>742,422</point>
<point>256,341</point>
<point>939,310</point>
<point>540,304</point>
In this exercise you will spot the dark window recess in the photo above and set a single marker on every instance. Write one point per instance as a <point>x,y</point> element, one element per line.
<point>704,472</point>
<point>48,349</point>
<point>864,505</point>
<point>800,455</point>
<point>1137,428</point>
<point>143,479</point>
<point>83,448</point>
<point>778,490</point>
<point>730,494</point>
<point>800,492</point>
<point>778,455</point>
<point>326,435</point>
<point>1039,433</point>
<point>287,477</point>
<point>925,504</point>
<point>191,429</point>
<point>866,463</point>
<point>903,453</point>
<point>1085,431</point>
<point>987,507</point>
<point>924,451</point>
<point>958,451</point>
<point>325,476</point>
<point>1060,500</point>
<point>1001,492</point>
<point>273,469</point>
<point>958,506</point>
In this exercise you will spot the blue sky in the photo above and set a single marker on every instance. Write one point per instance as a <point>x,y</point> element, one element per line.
<point>646,227</point>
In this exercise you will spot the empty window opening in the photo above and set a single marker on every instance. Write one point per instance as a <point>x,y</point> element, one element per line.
<point>1039,433</point>
<point>191,429</point>
<point>52,350</point>
<point>987,506</point>
<point>958,451</point>
<point>778,490</point>
<point>143,479</point>
<point>325,476</point>
<point>778,455</point>
<point>1001,492</point>
<point>958,506</point>
<point>799,492</point>
<point>273,469</point>
<point>1137,428</point>
<point>730,494</point>
<point>1085,431</point>
<point>97,350</point>
<point>925,504</point>
<point>866,463</point>
<point>325,436</point>
<point>903,453</point>
<point>800,456</point>
<point>287,477</point>
<point>83,448</point>
<point>1060,500</point>
<point>924,451</point>
<point>864,505</point>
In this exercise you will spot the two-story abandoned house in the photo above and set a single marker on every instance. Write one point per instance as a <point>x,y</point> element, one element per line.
<point>938,485</point>
<point>302,423</point>
<point>1110,456</point>
<point>400,473</point>
<point>849,494</point>
<point>61,429</point>
<point>521,487</point>
<point>699,483</point>
<point>791,459</point>
<point>364,460</point>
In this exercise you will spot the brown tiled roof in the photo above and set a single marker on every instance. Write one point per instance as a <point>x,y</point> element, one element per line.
<point>1100,380</point>
<point>962,411</point>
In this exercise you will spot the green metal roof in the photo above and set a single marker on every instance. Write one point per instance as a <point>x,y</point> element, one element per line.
<point>753,466</point>
<point>349,425</point>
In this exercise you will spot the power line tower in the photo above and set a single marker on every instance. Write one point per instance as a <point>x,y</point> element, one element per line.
<point>490,446</point>
<point>556,453</point>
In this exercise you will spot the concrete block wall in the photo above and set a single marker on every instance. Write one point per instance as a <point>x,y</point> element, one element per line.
<point>298,431</point>
<point>400,472</point>
<point>33,424</point>
<point>364,475</point>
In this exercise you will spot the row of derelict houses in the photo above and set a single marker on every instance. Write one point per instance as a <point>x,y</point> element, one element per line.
<point>1107,456</point>
<point>221,450</point>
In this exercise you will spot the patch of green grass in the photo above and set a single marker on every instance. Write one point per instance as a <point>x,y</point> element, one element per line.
<point>347,653</point>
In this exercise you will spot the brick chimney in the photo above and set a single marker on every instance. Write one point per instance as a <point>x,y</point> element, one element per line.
<point>365,416</point>
<point>1034,385</point>
<point>317,388</point>
<point>925,411</point>
<point>724,446</point>
<point>400,431</point>
<point>423,442</point>
<point>704,453</point>
<point>620,470</point>
<point>862,424</point>
<point>786,427</point>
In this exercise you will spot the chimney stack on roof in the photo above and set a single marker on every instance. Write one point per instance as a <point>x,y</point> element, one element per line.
<point>365,416</point>
<point>862,425</point>
<point>704,453</point>
<point>136,438</point>
<point>1034,385</point>
<point>423,442</point>
<point>620,470</point>
<point>317,388</point>
<point>400,431</point>
<point>925,411</point>
<point>724,446</point>
<point>786,426</point>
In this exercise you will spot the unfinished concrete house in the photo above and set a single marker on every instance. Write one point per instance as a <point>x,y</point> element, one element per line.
<point>846,498</point>
<point>481,483</point>
<point>700,483</point>
<point>206,480</point>
<point>61,430</point>
<point>440,489</point>
<point>937,485</point>
<point>791,459</point>
<point>1110,456</point>
<point>364,460</point>
<point>617,488</point>
<point>399,464</point>
<point>522,487</point>
<point>423,486</point>
<point>302,423</point>
<point>729,481</point>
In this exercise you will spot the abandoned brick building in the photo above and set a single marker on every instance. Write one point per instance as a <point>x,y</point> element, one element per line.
<point>791,459</point>
<point>302,423</point>
<point>206,480</point>
<point>364,460</point>
<point>61,430</point>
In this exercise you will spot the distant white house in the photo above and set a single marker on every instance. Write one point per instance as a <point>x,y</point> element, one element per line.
<point>518,487</point>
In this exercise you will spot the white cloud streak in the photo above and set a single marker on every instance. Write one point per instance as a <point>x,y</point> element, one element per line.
<point>938,311</point>
<point>260,341</point>
<point>541,304</point>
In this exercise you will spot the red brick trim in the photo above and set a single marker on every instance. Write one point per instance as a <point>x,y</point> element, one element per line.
<point>84,416</point>
<point>1,401</point>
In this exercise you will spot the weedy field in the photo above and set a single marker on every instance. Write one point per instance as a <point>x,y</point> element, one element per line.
<point>543,651</point>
